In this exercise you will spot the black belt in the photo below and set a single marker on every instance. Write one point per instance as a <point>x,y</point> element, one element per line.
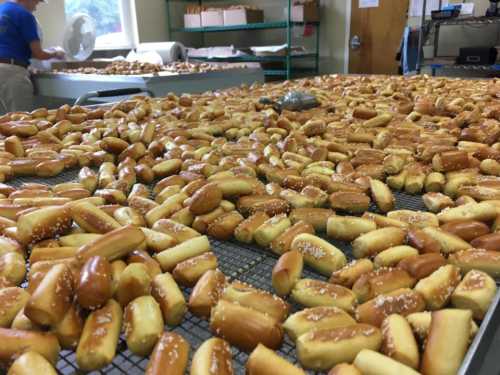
<point>13,62</point>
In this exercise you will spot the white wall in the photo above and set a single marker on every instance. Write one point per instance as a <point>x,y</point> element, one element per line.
<point>152,20</point>
<point>52,19</point>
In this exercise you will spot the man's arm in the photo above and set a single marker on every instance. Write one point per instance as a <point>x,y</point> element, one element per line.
<point>39,53</point>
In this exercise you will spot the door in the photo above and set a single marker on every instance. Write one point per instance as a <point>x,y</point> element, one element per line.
<point>375,36</point>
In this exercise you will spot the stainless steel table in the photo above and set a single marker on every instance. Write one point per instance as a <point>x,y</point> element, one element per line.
<point>55,89</point>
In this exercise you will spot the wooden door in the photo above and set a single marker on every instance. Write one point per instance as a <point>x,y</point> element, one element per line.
<point>378,31</point>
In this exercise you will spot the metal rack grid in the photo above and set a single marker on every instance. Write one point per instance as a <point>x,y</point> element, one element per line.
<point>245,262</point>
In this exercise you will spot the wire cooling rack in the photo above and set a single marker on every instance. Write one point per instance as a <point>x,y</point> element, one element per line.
<point>247,263</point>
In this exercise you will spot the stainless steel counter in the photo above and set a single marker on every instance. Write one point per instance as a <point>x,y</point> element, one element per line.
<point>54,89</point>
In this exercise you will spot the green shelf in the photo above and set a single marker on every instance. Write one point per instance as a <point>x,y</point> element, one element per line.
<point>284,73</point>
<point>253,58</point>
<point>250,26</point>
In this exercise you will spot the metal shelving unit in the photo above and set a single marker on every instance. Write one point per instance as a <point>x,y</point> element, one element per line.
<point>433,27</point>
<point>289,71</point>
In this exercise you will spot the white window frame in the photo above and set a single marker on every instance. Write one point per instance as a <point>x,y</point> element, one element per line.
<point>129,28</point>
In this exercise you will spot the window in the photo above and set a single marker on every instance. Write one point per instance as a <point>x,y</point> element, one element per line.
<point>113,20</point>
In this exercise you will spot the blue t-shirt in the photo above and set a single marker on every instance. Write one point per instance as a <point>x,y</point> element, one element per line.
<point>18,28</point>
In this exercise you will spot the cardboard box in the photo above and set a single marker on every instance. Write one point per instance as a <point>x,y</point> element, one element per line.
<point>192,20</point>
<point>307,12</point>
<point>212,17</point>
<point>242,16</point>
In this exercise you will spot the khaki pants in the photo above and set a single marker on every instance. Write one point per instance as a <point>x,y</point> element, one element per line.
<point>16,89</point>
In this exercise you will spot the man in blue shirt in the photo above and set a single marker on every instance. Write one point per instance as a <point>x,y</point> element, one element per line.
<point>19,42</point>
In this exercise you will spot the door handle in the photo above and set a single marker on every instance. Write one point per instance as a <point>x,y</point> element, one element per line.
<point>355,42</point>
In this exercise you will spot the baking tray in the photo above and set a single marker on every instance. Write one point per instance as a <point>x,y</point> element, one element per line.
<point>252,264</point>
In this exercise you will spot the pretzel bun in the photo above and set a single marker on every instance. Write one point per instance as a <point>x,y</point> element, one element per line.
<point>78,239</point>
<point>483,211</point>
<point>350,202</point>
<point>170,298</point>
<point>135,281</point>
<point>347,275</point>
<point>283,242</point>
<point>311,293</point>
<point>420,266</point>
<point>392,256</point>
<point>316,318</point>
<point>31,363</point>
<point>317,217</point>
<point>113,245</point>
<point>97,346</point>
<point>447,341</point>
<point>206,199</point>
<point>438,286</point>
<point>188,272</point>
<point>348,228</point>
<point>143,325</point>
<point>245,327</point>
<point>286,272</point>
<point>263,361</point>
<point>15,342</point>
<point>223,227</point>
<point>415,219</point>
<point>259,300</point>
<point>475,292</point>
<point>193,247</point>
<point>69,329</point>
<point>467,230</point>
<point>319,254</point>
<point>382,195</point>
<point>12,300</point>
<point>46,222</point>
<point>245,231</point>
<point>268,204</point>
<point>401,301</point>
<point>92,219</point>
<point>420,323</point>
<point>12,268</point>
<point>370,362</point>
<point>378,240</point>
<point>344,369</point>
<point>213,355</point>
<point>323,349</point>
<point>380,281</point>
<point>271,229</point>
<point>206,293</point>
<point>399,342</point>
<point>170,355</point>
<point>487,242</point>
<point>52,297</point>
<point>94,287</point>
<point>422,241</point>
<point>384,221</point>
<point>449,242</point>
<point>482,260</point>
<point>436,202</point>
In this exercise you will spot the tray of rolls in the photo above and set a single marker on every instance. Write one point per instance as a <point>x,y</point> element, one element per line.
<point>213,234</point>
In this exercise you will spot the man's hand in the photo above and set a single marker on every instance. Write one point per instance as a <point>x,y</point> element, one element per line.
<point>58,53</point>
<point>41,54</point>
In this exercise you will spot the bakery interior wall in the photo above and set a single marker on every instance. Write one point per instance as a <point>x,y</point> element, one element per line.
<point>51,17</point>
<point>152,27</point>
